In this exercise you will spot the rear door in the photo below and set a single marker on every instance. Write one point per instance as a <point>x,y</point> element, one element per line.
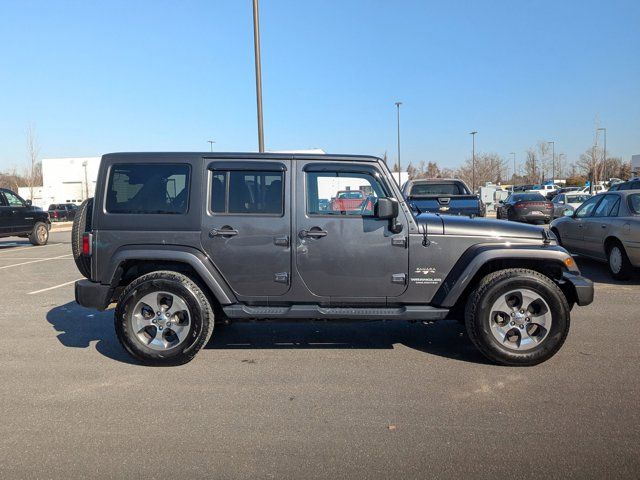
<point>246,230</point>
<point>347,254</point>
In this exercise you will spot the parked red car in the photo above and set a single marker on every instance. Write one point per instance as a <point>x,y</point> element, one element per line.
<point>348,201</point>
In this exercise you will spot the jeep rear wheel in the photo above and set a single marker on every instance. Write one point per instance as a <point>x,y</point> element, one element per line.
<point>517,317</point>
<point>163,318</point>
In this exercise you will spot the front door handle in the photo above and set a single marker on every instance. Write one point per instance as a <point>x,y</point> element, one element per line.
<point>225,231</point>
<point>604,226</point>
<point>315,232</point>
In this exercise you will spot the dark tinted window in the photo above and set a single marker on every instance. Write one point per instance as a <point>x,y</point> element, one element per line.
<point>53,206</point>
<point>3,202</point>
<point>445,188</point>
<point>148,188</point>
<point>527,197</point>
<point>249,192</point>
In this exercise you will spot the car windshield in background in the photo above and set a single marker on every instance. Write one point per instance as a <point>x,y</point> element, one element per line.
<point>634,203</point>
<point>532,197</point>
<point>451,188</point>
<point>356,194</point>
<point>577,198</point>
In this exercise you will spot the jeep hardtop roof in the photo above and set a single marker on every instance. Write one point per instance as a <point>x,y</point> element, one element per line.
<point>245,155</point>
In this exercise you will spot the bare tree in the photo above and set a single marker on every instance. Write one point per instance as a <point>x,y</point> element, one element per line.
<point>33,150</point>
<point>489,168</point>
<point>531,167</point>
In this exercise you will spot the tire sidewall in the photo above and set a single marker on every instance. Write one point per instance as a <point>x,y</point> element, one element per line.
<point>124,325</point>
<point>34,235</point>
<point>559,319</point>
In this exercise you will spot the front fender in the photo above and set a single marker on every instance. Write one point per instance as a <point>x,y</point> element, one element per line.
<point>474,258</point>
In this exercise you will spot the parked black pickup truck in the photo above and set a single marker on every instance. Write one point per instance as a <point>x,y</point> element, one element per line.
<point>450,197</point>
<point>19,218</point>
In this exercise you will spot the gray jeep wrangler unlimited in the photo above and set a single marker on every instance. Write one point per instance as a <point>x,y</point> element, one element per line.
<point>177,240</point>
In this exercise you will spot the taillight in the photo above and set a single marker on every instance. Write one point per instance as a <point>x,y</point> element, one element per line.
<point>549,205</point>
<point>86,244</point>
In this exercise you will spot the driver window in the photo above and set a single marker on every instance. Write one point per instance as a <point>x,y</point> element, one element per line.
<point>342,193</point>
<point>587,207</point>
<point>14,200</point>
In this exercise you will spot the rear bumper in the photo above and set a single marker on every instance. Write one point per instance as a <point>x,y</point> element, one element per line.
<point>92,294</point>
<point>583,288</point>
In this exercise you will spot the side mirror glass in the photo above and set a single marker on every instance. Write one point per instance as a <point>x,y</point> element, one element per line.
<point>386,209</point>
<point>568,213</point>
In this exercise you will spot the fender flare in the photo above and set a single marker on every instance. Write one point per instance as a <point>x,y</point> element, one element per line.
<point>475,257</point>
<point>189,256</point>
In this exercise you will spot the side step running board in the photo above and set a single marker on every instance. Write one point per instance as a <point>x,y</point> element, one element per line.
<point>315,312</point>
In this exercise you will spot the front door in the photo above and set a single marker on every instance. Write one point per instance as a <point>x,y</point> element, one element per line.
<point>597,226</point>
<point>20,219</point>
<point>247,226</point>
<point>341,249</point>
<point>572,235</point>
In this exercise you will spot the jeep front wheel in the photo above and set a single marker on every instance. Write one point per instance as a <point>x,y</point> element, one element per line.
<point>163,318</point>
<point>517,317</point>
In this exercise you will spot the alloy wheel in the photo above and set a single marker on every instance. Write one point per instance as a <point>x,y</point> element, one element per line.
<point>161,320</point>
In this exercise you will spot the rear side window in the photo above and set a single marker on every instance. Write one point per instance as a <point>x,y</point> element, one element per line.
<point>247,192</point>
<point>606,206</point>
<point>149,189</point>
<point>634,203</point>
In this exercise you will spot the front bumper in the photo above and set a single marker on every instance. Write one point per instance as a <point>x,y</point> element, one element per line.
<point>583,287</point>
<point>92,294</point>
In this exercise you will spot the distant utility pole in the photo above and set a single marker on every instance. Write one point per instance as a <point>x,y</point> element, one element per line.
<point>256,49</point>
<point>473,162</point>
<point>604,155</point>
<point>399,167</point>
<point>211,142</point>
<point>553,161</point>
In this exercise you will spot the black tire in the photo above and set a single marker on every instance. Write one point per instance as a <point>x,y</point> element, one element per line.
<point>201,318</point>
<point>478,316</point>
<point>625,270</point>
<point>81,224</point>
<point>40,234</point>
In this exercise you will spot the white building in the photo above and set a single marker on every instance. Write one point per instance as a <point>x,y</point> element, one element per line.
<point>635,165</point>
<point>69,180</point>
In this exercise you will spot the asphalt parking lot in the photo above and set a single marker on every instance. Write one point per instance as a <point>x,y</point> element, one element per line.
<point>314,400</point>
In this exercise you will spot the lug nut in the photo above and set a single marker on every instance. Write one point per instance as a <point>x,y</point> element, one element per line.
<point>513,323</point>
<point>521,327</point>
<point>521,311</point>
<point>513,314</point>
<point>154,321</point>
<point>528,319</point>
<point>160,328</point>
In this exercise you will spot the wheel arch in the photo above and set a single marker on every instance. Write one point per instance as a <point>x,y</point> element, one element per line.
<point>480,260</point>
<point>129,263</point>
<point>610,241</point>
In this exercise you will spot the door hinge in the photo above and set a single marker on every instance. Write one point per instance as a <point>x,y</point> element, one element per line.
<point>281,241</point>
<point>399,278</point>
<point>399,241</point>
<point>281,277</point>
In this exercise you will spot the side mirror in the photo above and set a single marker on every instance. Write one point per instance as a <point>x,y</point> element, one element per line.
<point>500,202</point>
<point>568,213</point>
<point>28,202</point>
<point>386,209</point>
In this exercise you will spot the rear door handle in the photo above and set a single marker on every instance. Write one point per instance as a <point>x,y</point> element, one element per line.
<point>315,232</point>
<point>604,226</point>
<point>225,231</point>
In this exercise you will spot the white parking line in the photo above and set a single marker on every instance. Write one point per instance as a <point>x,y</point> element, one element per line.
<point>54,287</point>
<point>36,261</point>
<point>9,248</point>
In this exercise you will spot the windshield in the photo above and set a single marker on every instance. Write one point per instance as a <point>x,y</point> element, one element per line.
<point>634,203</point>
<point>449,188</point>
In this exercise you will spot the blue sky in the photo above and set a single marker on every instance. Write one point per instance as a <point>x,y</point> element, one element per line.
<point>95,77</point>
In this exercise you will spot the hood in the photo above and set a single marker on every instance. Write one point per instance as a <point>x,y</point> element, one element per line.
<point>484,227</point>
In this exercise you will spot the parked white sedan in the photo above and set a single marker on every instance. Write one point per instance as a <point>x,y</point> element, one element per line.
<point>568,201</point>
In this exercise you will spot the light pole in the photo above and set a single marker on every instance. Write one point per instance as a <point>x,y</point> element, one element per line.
<point>604,155</point>
<point>256,50</point>
<point>473,162</point>
<point>399,168</point>
<point>553,161</point>
<point>211,142</point>
<point>514,170</point>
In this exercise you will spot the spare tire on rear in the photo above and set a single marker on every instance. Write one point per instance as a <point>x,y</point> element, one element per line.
<point>82,224</point>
